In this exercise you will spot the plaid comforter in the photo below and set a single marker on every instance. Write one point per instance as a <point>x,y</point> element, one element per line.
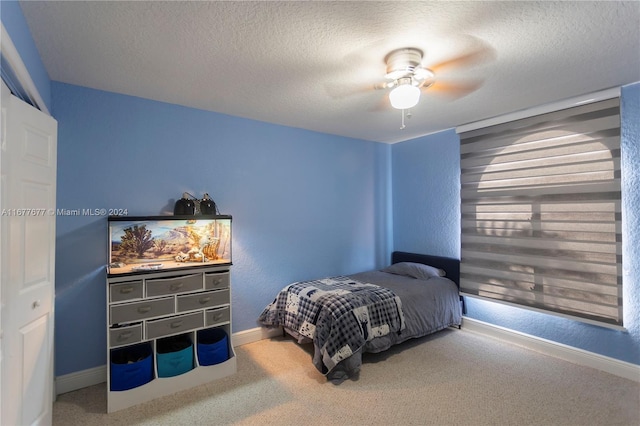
<point>339,314</point>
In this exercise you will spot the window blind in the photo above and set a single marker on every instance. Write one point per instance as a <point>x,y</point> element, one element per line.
<point>541,212</point>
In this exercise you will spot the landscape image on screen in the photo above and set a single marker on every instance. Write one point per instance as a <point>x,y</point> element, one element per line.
<point>144,245</point>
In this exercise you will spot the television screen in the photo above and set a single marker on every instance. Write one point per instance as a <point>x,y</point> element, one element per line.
<point>143,244</point>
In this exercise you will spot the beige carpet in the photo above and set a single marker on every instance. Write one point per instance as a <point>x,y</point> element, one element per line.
<point>452,378</point>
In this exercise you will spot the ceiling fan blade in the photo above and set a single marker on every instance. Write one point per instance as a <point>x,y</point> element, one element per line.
<point>425,84</point>
<point>343,90</point>
<point>465,60</point>
<point>453,89</point>
<point>384,85</point>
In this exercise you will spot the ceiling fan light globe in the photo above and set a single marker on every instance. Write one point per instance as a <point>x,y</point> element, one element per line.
<point>404,96</point>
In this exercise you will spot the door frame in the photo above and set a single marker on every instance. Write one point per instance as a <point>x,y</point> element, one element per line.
<point>19,69</point>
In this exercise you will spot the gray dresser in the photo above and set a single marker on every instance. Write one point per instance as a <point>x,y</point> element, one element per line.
<point>143,309</point>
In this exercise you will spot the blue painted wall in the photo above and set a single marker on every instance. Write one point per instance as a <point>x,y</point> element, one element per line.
<point>426,209</point>
<point>304,204</point>
<point>426,182</point>
<point>17,28</point>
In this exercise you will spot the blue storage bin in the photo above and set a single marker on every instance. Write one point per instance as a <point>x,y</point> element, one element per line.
<point>213,346</point>
<point>131,366</point>
<point>174,355</point>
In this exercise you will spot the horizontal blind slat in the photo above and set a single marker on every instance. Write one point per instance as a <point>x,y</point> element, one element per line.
<point>557,206</point>
<point>544,262</point>
<point>604,145</point>
<point>595,227</point>
<point>606,308</point>
<point>526,244</point>
<point>551,171</point>
<point>556,294</point>
<point>526,279</point>
<point>540,135</point>
<point>595,151</point>
<point>608,107</point>
<point>468,192</point>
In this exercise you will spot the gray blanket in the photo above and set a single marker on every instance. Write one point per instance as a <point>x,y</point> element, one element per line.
<point>428,306</point>
<point>340,314</point>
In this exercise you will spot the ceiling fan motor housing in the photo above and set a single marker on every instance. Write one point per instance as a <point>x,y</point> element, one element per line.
<point>402,62</point>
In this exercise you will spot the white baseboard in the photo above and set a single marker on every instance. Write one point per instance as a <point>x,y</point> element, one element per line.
<point>93,376</point>
<point>80,379</point>
<point>255,334</point>
<point>568,353</point>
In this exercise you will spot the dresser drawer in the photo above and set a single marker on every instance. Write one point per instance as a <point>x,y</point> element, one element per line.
<point>131,312</point>
<point>174,325</point>
<point>216,316</point>
<point>173,285</point>
<point>125,291</point>
<point>125,335</point>
<point>215,280</point>
<point>205,299</point>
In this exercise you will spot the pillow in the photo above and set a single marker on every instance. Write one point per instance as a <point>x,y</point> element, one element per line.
<point>414,270</point>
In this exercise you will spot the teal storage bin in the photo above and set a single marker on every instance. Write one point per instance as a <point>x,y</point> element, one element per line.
<point>131,366</point>
<point>174,355</point>
<point>213,346</point>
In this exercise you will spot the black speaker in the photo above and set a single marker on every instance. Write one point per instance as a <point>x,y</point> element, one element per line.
<point>184,206</point>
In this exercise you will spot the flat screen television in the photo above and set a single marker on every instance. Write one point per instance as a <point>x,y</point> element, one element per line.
<point>140,244</point>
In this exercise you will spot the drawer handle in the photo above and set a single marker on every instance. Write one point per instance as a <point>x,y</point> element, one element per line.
<point>144,309</point>
<point>125,335</point>
<point>126,290</point>
<point>176,324</point>
<point>216,317</point>
<point>176,286</point>
<point>204,300</point>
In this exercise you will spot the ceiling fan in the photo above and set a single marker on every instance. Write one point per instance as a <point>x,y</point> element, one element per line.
<point>407,74</point>
<point>407,77</point>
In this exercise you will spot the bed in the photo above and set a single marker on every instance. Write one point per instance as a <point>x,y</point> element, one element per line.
<point>371,311</point>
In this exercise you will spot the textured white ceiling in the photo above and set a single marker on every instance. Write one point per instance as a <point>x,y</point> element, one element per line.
<point>313,65</point>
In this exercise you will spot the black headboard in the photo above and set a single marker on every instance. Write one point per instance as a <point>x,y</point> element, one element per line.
<point>450,265</point>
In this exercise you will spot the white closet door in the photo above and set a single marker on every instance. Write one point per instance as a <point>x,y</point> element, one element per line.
<point>27,234</point>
